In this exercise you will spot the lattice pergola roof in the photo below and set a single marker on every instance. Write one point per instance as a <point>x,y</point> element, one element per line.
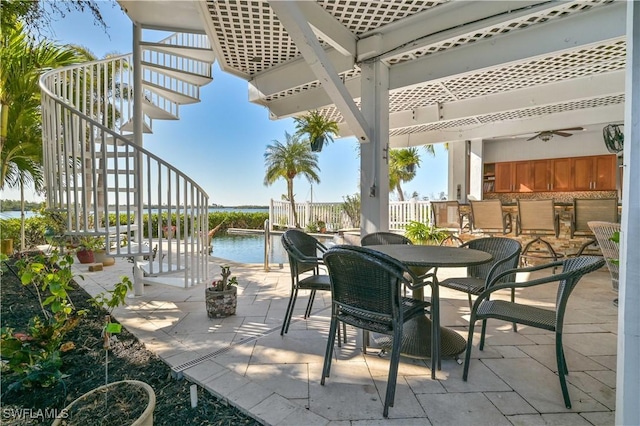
<point>453,65</point>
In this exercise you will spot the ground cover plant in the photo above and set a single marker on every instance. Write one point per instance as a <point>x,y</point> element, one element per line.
<point>82,365</point>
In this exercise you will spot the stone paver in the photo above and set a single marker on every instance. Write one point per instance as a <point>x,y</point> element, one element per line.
<point>276,379</point>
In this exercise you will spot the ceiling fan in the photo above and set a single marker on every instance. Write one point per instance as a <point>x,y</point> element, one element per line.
<point>548,134</point>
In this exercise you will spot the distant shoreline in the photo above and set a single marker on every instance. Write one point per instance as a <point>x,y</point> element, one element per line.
<point>31,207</point>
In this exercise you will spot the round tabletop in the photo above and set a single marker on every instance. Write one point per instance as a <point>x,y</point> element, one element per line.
<point>433,256</point>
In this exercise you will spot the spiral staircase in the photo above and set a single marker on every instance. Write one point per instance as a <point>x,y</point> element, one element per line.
<point>100,177</point>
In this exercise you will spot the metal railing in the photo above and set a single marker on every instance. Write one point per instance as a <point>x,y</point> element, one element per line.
<point>94,171</point>
<point>401,213</point>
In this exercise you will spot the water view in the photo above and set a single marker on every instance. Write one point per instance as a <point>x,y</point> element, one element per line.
<point>249,248</point>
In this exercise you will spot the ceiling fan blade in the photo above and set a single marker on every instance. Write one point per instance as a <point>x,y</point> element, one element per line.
<point>569,129</point>
<point>555,132</point>
<point>532,138</point>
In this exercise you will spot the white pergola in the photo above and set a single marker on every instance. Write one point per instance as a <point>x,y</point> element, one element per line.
<point>407,73</point>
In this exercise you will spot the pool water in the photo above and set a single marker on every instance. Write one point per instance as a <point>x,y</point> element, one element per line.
<point>249,248</point>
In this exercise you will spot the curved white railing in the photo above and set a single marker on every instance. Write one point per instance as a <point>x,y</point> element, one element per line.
<point>109,186</point>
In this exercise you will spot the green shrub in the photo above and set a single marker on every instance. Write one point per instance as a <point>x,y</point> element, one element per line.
<point>33,356</point>
<point>424,233</point>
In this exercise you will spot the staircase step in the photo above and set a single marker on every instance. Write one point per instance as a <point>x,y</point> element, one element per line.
<point>193,78</point>
<point>172,95</point>
<point>128,127</point>
<point>156,112</point>
<point>111,140</point>
<point>197,53</point>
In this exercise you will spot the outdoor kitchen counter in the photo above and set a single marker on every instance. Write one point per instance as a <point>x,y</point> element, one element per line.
<point>563,244</point>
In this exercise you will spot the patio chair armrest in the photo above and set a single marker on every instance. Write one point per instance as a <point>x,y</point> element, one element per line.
<point>527,269</point>
<point>419,281</point>
<point>303,258</point>
<point>499,263</point>
<point>321,247</point>
<point>514,285</point>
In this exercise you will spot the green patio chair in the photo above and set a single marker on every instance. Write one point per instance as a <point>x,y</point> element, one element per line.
<point>365,290</point>
<point>573,269</point>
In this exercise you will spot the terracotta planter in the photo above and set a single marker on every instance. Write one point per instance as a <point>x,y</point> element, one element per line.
<point>85,256</point>
<point>221,304</point>
<point>145,419</point>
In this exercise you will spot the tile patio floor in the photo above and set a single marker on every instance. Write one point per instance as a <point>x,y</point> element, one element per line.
<point>276,379</point>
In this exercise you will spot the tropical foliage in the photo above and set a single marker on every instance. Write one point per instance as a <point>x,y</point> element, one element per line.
<point>37,15</point>
<point>287,161</point>
<point>425,233</point>
<point>351,207</point>
<point>402,168</point>
<point>317,128</point>
<point>22,61</point>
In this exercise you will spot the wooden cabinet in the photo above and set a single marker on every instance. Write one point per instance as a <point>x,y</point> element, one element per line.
<point>513,177</point>
<point>560,174</point>
<point>540,175</point>
<point>504,177</point>
<point>593,173</point>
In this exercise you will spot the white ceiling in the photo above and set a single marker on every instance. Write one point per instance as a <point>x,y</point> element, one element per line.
<point>458,69</point>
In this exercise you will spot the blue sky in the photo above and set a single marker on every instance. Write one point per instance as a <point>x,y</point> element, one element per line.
<point>221,141</point>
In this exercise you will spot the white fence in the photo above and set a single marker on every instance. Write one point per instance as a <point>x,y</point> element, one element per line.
<point>400,214</point>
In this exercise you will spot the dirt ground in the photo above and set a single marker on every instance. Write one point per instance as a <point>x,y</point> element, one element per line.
<point>84,368</point>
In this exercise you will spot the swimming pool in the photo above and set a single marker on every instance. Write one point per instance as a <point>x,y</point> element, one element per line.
<point>249,248</point>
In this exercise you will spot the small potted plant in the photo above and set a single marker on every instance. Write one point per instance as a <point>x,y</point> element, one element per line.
<point>317,226</point>
<point>86,248</point>
<point>222,296</point>
<point>169,231</point>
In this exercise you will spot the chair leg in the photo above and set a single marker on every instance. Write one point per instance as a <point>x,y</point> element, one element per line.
<point>307,312</point>
<point>467,355</point>
<point>365,340</point>
<point>326,369</point>
<point>393,371</point>
<point>513,300</point>
<point>562,370</point>
<point>289,311</point>
<point>482,333</point>
<point>470,302</point>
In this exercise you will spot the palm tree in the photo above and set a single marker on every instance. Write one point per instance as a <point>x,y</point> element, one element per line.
<point>21,62</point>
<point>318,129</point>
<point>288,160</point>
<point>402,168</point>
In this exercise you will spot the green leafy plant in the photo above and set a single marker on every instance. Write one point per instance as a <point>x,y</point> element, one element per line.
<point>616,239</point>
<point>424,233</point>
<point>316,226</point>
<point>109,301</point>
<point>225,283</point>
<point>351,207</point>
<point>33,356</point>
<point>91,243</point>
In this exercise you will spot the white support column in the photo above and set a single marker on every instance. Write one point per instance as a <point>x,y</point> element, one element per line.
<point>628,364</point>
<point>138,133</point>
<point>374,164</point>
<point>476,172</point>
<point>457,175</point>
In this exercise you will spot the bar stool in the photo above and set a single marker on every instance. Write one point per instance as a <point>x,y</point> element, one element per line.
<point>587,210</point>
<point>446,215</point>
<point>488,217</point>
<point>538,218</point>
